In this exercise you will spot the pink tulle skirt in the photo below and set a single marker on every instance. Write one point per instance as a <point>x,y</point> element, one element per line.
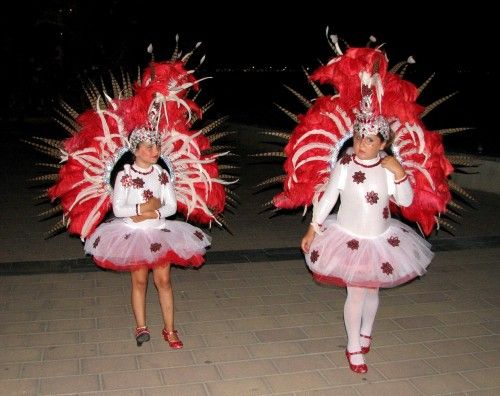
<point>392,258</point>
<point>121,247</point>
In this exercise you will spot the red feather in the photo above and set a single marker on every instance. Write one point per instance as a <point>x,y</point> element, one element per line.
<point>83,183</point>
<point>334,117</point>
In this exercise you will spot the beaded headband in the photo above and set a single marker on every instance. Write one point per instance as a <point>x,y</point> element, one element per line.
<point>143,135</point>
<point>367,123</point>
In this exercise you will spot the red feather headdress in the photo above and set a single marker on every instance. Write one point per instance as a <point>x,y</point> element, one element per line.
<point>157,101</point>
<point>316,141</point>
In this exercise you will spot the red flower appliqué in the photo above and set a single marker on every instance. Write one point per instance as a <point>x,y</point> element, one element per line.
<point>155,247</point>
<point>147,194</point>
<point>385,213</point>
<point>386,268</point>
<point>353,244</point>
<point>137,182</point>
<point>199,235</point>
<point>371,197</point>
<point>346,159</point>
<point>163,178</point>
<point>314,256</point>
<point>393,241</point>
<point>358,177</point>
<point>126,181</point>
<point>96,242</point>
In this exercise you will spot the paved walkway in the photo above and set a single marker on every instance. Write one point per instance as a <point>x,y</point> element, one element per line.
<point>252,320</point>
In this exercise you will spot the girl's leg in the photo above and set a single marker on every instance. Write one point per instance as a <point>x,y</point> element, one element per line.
<point>353,310</point>
<point>370,308</point>
<point>161,277</point>
<point>139,287</point>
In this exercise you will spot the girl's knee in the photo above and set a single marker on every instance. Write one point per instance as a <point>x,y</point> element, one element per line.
<point>140,278</point>
<point>161,278</point>
<point>163,283</point>
<point>356,293</point>
<point>140,283</point>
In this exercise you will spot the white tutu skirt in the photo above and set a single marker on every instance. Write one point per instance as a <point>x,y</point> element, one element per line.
<point>122,247</point>
<point>392,258</point>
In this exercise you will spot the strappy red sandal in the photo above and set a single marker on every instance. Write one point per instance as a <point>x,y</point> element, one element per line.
<point>357,368</point>
<point>142,335</point>
<point>366,349</point>
<point>174,343</point>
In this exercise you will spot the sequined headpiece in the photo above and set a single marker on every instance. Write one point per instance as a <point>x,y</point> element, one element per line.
<point>143,135</point>
<point>367,123</point>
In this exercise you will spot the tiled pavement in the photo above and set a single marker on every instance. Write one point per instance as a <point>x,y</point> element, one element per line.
<point>254,326</point>
<point>257,328</point>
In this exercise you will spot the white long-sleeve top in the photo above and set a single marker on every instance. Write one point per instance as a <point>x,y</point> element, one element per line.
<point>365,188</point>
<point>135,185</point>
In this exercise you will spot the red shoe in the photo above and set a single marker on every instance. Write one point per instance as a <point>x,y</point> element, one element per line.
<point>142,335</point>
<point>366,349</point>
<point>357,368</point>
<point>175,343</point>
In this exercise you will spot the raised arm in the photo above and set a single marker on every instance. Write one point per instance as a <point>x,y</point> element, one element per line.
<point>401,188</point>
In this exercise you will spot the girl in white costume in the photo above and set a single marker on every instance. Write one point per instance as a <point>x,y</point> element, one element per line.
<point>362,247</point>
<point>140,238</point>
<point>151,118</point>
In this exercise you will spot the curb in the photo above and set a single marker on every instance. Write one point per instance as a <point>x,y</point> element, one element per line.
<point>86,264</point>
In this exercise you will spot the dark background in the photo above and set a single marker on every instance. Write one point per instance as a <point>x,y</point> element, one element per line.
<point>50,47</point>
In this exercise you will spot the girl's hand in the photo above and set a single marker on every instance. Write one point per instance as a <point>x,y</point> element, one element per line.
<point>392,165</point>
<point>307,239</point>
<point>149,215</point>
<point>138,218</point>
<point>153,203</point>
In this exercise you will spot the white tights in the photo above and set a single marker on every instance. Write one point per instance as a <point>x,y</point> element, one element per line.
<point>360,309</point>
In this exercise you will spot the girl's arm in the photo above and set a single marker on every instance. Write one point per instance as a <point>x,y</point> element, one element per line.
<point>120,206</point>
<point>307,239</point>
<point>169,206</point>
<point>402,192</point>
<point>327,201</point>
<point>323,208</point>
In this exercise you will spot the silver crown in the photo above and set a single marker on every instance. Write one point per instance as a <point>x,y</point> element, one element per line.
<point>367,123</point>
<point>143,135</point>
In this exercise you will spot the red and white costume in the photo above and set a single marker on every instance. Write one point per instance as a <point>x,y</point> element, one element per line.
<point>155,108</point>
<point>121,244</point>
<point>362,245</point>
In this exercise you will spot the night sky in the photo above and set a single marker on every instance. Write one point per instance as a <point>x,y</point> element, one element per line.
<point>50,46</point>
<point>98,30</point>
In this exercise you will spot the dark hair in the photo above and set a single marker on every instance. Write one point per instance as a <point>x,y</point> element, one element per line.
<point>129,158</point>
<point>389,140</point>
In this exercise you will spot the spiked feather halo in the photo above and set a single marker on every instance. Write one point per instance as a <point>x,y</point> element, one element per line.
<point>100,136</point>
<point>321,132</point>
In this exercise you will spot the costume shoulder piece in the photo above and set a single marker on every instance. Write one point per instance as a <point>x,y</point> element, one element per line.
<point>370,96</point>
<point>157,101</point>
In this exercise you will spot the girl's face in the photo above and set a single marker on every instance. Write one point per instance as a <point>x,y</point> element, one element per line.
<point>147,154</point>
<point>367,147</point>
